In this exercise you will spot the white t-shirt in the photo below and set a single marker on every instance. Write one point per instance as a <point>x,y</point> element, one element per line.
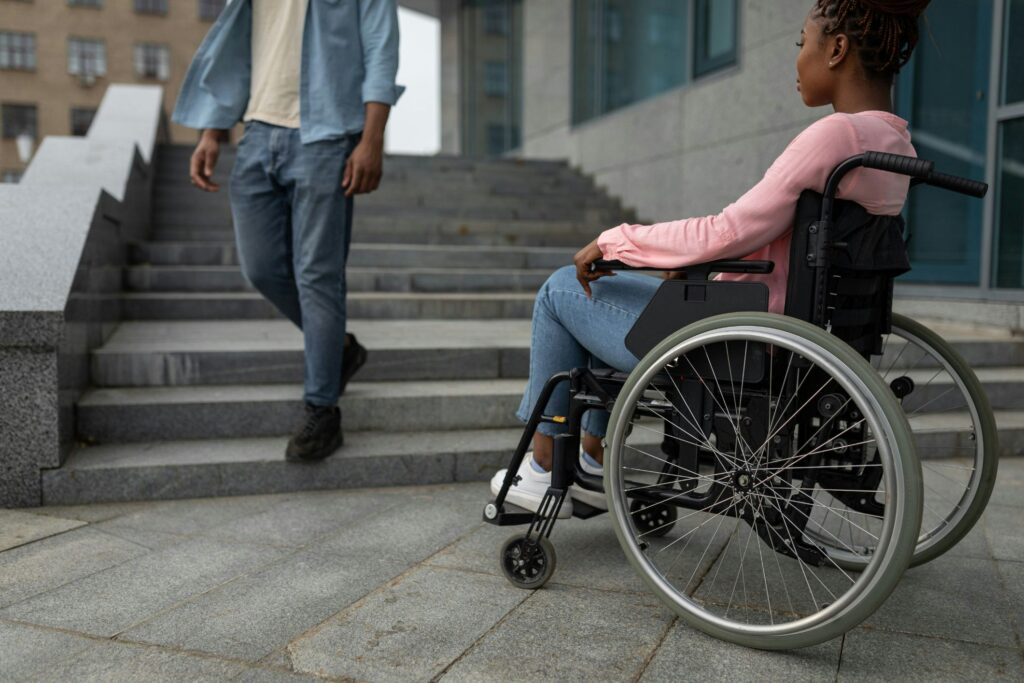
<point>276,61</point>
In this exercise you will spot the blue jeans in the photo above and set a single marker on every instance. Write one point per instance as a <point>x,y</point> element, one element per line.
<point>572,331</point>
<point>293,226</point>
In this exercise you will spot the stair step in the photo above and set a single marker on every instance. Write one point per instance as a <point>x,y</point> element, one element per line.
<point>230,279</point>
<point>477,232</point>
<point>120,415</point>
<point>224,467</point>
<point>369,305</point>
<point>182,353</point>
<point>382,256</point>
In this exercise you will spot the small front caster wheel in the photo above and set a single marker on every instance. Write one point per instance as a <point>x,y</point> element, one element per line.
<point>527,563</point>
<point>652,519</point>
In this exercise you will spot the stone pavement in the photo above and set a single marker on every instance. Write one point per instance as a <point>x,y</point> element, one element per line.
<point>403,585</point>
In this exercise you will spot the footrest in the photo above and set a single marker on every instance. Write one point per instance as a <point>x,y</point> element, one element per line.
<point>508,515</point>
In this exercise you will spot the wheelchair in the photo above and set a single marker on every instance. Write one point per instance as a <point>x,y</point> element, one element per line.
<point>762,471</point>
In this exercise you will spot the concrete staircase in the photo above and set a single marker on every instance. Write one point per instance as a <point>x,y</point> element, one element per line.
<point>195,394</point>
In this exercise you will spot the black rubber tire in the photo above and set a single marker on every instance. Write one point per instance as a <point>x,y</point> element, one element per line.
<point>539,564</point>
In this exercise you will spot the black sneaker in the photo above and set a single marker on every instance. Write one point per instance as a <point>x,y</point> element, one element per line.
<point>353,358</point>
<point>318,437</point>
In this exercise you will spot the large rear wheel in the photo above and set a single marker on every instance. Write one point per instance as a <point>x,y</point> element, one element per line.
<point>788,426</point>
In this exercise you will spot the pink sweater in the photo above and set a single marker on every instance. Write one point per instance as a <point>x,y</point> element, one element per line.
<point>759,224</point>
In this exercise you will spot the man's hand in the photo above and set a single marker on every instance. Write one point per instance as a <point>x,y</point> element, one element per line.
<point>204,159</point>
<point>364,167</point>
<point>583,259</point>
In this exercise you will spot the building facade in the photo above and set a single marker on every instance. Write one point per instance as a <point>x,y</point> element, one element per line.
<point>679,106</point>
<point>58,56</point>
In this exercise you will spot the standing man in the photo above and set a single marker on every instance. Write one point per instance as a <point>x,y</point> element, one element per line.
<point>314,81</point>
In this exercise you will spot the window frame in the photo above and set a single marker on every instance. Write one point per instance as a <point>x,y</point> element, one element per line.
<point>79,111</point>
<point>31,52</point>
<point>692,75</point>
<point>703,67</point>
<point>82,40</point>
<point>139,60</point>
<point>28,106</point>
<point>207,14</point>
<point>158,8</point>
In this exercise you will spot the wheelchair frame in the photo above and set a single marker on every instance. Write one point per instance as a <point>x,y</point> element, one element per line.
<point>531,554</point>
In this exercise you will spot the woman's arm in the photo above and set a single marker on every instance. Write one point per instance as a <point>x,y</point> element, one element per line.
<point>756,219</point>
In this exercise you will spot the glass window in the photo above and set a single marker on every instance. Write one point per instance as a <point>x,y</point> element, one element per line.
<point>153,61</point>
<point>715,35</point>
<point>151,6</point>
<point>943,92</point>
<point>496,79</point>
<point>87,57</point>
<point>17,51</point>
<point>81,119</point>
<point>496,19</point>
<point>1013,64</point>
<point>85,3</point>
<point>625,51</point>
<point>210,9</point>
<point>10,176</point>
<point>492,76</point>
<point>19,119</point>
<point>1008,260</point>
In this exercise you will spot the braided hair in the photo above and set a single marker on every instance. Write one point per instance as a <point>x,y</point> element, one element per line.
<point>885,32</point>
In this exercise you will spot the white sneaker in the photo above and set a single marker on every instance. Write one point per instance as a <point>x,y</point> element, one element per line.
<point>528,492</point>
<point>595,499</point>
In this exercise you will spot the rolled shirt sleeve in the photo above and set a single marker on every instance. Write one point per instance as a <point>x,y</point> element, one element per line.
<point>378,28</point>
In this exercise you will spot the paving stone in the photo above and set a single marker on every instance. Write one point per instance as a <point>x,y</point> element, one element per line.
<point>192,516</point>
<point>147,538</point>
<point>950,597</point>
<point>568,634</point>
<point>1012,577</point>
<point>296,522</point>
<point>18,528</point>
<point>111,601</point>
<point>1004,529</point>
<point>409,630</point>
<point>256,614</point>
<point>877,656</point>
<point>427,521</point>
<point>1009,488</point>
<point>106,662</point>
<point>53,562</point>
<point>28,653</point>
<point>94,512</point>
<point>690,654</point>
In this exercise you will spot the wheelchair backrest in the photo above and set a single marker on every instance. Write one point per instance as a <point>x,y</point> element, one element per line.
<point>843,280</point>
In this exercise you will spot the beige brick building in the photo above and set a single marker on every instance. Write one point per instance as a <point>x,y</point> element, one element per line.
<point>58,56</point>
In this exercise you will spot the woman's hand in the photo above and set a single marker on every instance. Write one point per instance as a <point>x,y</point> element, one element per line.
<point>583,260</point>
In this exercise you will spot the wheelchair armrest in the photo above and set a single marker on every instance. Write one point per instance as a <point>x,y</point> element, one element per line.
<point>697,271</point>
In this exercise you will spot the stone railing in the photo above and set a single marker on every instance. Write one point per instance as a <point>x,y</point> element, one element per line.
<point>63,235</point>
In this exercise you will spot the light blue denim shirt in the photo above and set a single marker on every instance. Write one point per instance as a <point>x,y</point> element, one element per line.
<point>349,58</point>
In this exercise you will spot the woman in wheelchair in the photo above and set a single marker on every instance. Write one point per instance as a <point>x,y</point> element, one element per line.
<point>849,51</point>
<point>760,470</point>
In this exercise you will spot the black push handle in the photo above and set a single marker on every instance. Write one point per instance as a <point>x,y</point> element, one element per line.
<point>723,266</point>
<point>897,163</point>
<point>971,188</point>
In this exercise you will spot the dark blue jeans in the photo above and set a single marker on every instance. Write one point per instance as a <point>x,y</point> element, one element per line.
<point>293,226</point>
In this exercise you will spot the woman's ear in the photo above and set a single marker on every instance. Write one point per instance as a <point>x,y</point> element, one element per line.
<point>840,48</point>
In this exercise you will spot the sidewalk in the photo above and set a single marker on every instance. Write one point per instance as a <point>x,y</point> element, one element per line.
<point>403,584</point>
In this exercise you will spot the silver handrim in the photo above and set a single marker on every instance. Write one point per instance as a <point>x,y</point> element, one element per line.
<point>764,600</point>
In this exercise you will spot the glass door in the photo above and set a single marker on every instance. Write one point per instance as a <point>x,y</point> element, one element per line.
<point>944,93</point>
